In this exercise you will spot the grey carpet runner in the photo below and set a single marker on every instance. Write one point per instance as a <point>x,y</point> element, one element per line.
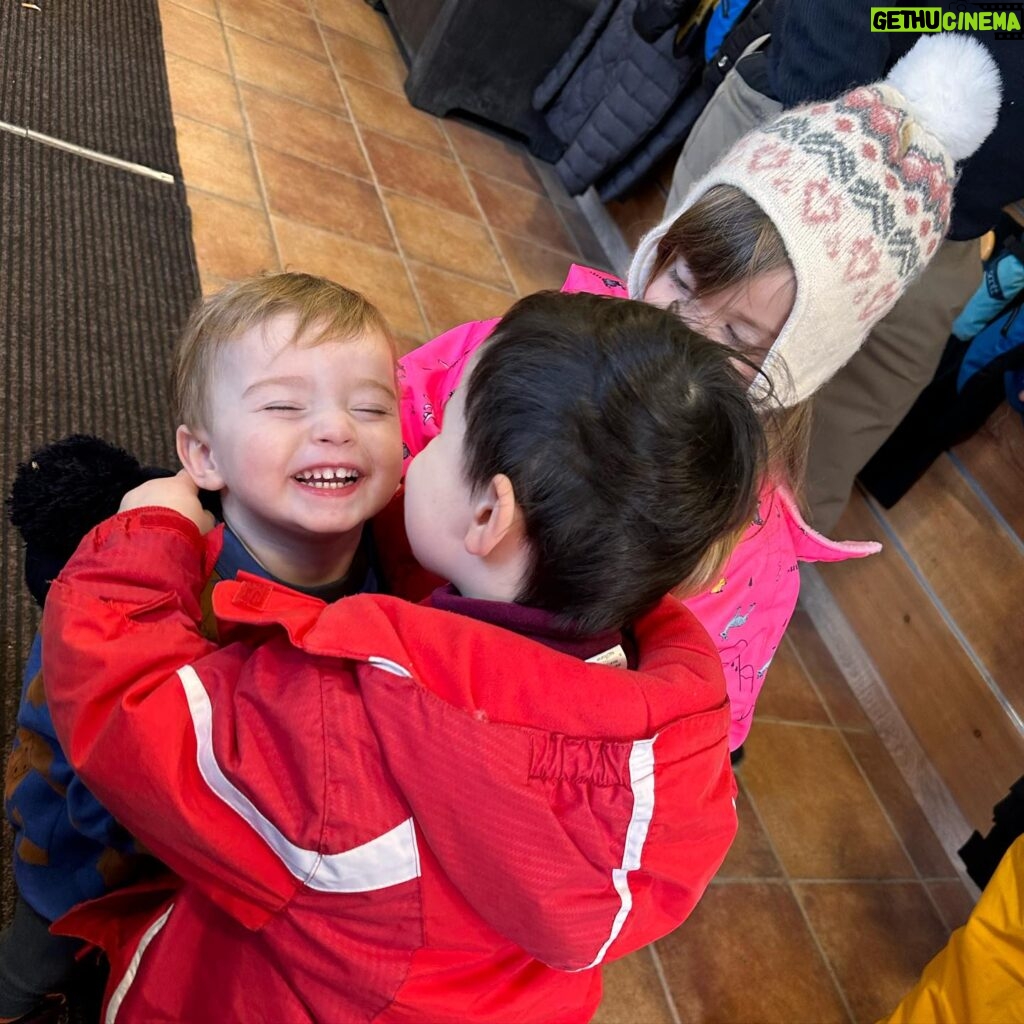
<point>97,270</point>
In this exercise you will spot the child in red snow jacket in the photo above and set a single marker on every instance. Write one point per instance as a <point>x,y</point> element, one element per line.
<point>392,812</point>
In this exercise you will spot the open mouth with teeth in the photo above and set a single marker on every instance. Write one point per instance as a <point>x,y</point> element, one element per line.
<point>328,479</point>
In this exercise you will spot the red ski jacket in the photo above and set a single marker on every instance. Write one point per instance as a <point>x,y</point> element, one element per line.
<point>375,810</point>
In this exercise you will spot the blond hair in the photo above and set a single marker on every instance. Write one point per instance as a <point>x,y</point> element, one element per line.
<point>324,311</point>
<point>727,239</point>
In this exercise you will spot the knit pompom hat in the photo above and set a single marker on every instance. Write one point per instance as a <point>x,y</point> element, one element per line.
<point>860,190</point>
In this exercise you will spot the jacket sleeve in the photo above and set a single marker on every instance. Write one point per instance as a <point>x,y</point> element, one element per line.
<point>820,49</point>
<point>36,734</point>
<point>579,850</point>
<point>977,975</point>
<point>1002,283</point>
<point>122,658</point>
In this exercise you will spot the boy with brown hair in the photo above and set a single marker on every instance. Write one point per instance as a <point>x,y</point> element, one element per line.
<point>285,393</point>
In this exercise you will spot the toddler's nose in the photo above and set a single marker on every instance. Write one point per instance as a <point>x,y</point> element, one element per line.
<point>334,426</point>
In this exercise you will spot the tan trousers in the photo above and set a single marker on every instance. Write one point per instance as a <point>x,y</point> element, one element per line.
<point>855,413</point>
<point>732,111</point>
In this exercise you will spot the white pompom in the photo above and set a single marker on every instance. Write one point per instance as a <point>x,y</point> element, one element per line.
<point>952,87</point>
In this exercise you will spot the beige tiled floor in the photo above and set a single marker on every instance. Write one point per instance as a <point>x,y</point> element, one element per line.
<point>300,151</point>
<point>836,891</point>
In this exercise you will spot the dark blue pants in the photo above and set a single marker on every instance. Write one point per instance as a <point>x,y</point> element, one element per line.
<point>32,961</point>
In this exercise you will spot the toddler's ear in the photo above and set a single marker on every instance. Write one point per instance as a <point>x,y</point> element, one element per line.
<point>198,459</point>
<point>495,518</point>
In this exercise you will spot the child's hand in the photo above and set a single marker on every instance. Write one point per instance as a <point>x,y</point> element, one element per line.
<point>176,492</point>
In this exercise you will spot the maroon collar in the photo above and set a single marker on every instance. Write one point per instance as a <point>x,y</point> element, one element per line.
<point>533,623</point>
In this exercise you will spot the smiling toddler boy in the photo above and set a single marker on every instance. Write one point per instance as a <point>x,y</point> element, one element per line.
<point>285,393</point>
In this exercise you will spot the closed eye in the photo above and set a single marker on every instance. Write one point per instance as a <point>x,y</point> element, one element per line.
<point>282,407</point>
<point>674,277</point>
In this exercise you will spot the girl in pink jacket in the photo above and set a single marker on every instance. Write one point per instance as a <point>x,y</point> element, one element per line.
<point>801,238</point>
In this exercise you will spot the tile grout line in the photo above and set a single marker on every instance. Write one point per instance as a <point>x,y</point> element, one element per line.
<point>485,220</point>
<point>310,14</point>
<point>259,205</point>
<point>248,139</point>
<point>391,36</point>
<point>357,130</point>
<point>368,180</point>
<point>933,797</point>
<point>379,131</point>
<point>842,731</point>
<point>543,194</point>
<point>607,232</point>
<point>560,208</point>
<point>602,227</point>
<point>721,881</point>
<point>256,206</point>
<point>852,880</point>
<point>409,195</point>
<point>666,991</point>
<point>774,720</point>
<point>298,101</point>
<point>546,197</point>
<point>275,42</point>
<point>979,492</point>
<point>788,882</point>
<point>243,134</point>
<point>950,622</point>
<point>89,154</point>
<point>882,806</point>
<point>916,880</point>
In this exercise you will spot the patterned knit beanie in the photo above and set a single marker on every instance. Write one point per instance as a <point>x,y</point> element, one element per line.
<point>860,190</point>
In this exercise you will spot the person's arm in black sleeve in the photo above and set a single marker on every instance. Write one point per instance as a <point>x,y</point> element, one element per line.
<point>820,48</point>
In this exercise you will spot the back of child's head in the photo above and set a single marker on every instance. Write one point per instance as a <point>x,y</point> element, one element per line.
<point>633,450</point>
<point>323,310</point>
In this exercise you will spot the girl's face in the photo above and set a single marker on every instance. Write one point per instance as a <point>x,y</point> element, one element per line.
<point>747,315</point>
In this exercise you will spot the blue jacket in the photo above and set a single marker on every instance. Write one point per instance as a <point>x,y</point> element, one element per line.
<point>1003,281</point>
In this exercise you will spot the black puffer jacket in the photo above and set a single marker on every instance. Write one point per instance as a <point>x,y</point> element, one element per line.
<point>611,89</point>
<point>675,126</point>
<point>653,18</point>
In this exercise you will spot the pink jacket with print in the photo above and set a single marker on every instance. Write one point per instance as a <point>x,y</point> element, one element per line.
<point>748,610</point>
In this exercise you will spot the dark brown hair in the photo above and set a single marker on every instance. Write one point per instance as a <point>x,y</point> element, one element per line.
<point>725,238</point>
<point>633,450</point>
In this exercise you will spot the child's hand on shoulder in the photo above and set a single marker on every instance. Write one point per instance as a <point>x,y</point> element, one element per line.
<point>176,492</point>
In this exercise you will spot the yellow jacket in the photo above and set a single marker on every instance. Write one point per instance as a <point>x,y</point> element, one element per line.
<point>978,978</point>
